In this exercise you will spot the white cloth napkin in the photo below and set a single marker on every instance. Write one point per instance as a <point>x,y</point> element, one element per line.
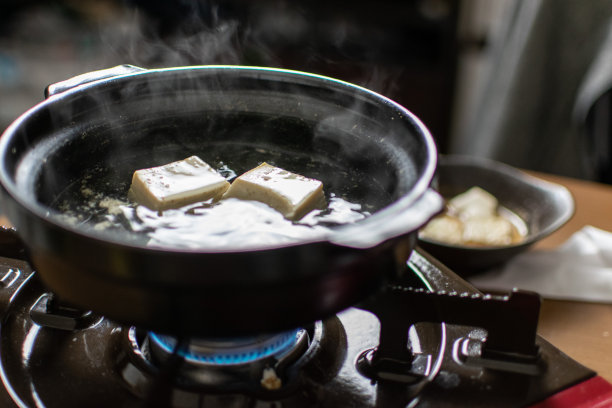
<point>580,269</point>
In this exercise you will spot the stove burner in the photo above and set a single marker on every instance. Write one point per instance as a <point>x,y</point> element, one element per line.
<point>227,351</point>
<point>406,359</point>
<point>259,365</point>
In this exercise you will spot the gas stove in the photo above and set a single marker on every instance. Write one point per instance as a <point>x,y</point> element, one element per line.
<point>427,340</point>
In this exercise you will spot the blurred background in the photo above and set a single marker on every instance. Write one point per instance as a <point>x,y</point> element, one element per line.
<point>521,81</point>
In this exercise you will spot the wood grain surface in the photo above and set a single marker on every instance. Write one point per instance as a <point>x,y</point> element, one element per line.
<point>581,330</point>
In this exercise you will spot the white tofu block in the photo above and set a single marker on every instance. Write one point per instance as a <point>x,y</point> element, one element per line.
<point>177,184</point>
<point>444,228</point>
<point>474,203</point>
<point>491,230</point>
<point>291,194</point>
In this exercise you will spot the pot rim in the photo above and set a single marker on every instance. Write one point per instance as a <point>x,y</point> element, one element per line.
<point>368,229</point>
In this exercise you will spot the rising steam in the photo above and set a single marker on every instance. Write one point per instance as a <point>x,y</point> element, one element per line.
<point>197,35</point>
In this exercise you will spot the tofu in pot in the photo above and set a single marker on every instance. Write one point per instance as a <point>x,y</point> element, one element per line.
<point>177,184</point>
<point>291,194</point>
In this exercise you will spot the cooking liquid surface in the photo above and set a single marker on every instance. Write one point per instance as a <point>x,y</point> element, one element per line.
<point>226,224</point>
<point>234,223</point>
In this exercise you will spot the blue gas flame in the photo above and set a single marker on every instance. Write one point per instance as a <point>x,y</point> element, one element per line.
<point>227,357</point>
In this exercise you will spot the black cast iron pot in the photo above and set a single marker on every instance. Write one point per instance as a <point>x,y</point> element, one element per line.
<point>98,128</point>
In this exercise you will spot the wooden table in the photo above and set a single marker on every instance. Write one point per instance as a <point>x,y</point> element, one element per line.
<point>582,330</point>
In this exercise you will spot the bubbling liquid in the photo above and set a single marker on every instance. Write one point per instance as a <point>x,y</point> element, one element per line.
<point>228,224</point>
<point>235,223</point>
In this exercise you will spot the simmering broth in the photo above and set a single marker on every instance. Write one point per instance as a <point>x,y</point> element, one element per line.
<point>226,224</point>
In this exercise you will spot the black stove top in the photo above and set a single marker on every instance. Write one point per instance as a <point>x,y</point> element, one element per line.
<point>429,340</point>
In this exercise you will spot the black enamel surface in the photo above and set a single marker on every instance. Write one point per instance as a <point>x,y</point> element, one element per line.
<point>107,129</point>
<point>98,366</point>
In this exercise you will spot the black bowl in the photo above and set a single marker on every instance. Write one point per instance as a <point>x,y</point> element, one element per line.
<point>543,206</point>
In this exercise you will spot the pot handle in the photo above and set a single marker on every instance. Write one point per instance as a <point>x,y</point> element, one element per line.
<point>62,86</point>
<point>373,232</point>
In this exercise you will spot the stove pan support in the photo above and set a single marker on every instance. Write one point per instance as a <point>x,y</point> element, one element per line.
<point>487,343</point>
<point>510,321</point>
<point>48,311</point>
